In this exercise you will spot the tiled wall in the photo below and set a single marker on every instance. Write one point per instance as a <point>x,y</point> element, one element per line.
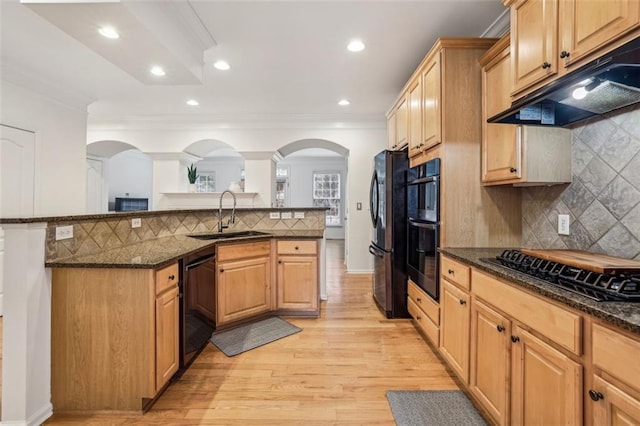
<point>91,236</point>
<point>603,200</point>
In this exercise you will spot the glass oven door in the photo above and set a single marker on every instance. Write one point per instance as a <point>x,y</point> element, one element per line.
<point>422,256</point>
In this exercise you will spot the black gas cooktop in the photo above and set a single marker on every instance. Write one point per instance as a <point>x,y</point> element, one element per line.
<point>619,287</point>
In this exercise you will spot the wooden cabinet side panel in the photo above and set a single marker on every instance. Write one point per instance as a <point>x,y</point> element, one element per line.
<point>167,337</point>
<point>102,338</point>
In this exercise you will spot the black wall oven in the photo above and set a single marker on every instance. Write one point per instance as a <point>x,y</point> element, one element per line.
<point>423,227</point>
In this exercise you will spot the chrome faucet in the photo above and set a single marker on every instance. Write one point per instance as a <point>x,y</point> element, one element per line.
<point>233,211</point>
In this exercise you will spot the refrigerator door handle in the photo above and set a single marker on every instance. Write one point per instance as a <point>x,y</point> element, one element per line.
<point>373,199</point>
<point>375,251</point>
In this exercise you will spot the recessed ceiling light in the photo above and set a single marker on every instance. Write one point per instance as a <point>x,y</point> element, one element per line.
<point>222,65</point>
<point>157,71</point>
<point>109,32</point>
<point>355,46</point>
<point>343,102</point>
<point>193,102</point>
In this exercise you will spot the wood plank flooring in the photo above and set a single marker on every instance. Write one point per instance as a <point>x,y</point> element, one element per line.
<point>335,372</point>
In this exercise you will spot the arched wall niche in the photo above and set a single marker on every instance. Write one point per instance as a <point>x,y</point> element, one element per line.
<point>219,162</point>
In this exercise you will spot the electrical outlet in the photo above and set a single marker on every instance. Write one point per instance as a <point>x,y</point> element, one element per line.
<point>563,224</point>
<point>298,215</point>
<point>64,232</point>
<point>286,215</point>
<point>136,223</point>
<point>274,215</point>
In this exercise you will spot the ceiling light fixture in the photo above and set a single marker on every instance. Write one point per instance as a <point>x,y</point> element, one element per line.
<point>193,102</point>
<point>343,102</point>
<point>158,71</point>
<point>109,32</point>
<point>355,46</point>
<point>222,65</point>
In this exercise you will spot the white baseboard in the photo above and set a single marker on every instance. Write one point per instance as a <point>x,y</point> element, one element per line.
<point>324,296</point>
<point>359,271</point>
<point>37,419</point>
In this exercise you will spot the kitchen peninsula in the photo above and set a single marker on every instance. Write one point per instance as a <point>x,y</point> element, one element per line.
<point>116,286</point>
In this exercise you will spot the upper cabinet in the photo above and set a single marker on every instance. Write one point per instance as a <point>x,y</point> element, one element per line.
<point>391,130</point>
<point>522,155</point>
<point>414,95</point>
<point>398,125</point>
<point>432,117</point>
<point>552,37</point>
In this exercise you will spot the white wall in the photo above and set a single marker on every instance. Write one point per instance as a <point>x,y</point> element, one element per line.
<point>363,142</point>
<point>301,170</point>
<point>129,174</point>
<point>61,139</point>
<point>227,170</point>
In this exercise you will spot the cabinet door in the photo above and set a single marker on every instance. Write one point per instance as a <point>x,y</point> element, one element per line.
<point>534,42</point>
<point>546,384</point>
<point>612,406</point>
<point>501,149</point>
<point>587,25</point>
<point>402,123</point>
<point>298,283</point>
<point>167,336</point>
<point>432,104</point>
<point>202,290</point>
<point>391,131</point>
<point>454,329</point>
<point>243,289</point>
<point>415,116</point>
<point>490,360</point>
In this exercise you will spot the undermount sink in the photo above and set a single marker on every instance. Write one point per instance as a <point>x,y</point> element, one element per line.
<point>219,236</point>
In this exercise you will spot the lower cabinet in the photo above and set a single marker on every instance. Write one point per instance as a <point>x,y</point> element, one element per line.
<point>244,281</point>
<point>546,384</point>
<point>425,311</point>
<point>612,405</point>
<point>454,328</point>
<point>167,336</point>
<point>297,286</point>
<point>490,368</point>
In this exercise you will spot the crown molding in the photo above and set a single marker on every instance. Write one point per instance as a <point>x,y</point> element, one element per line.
<point>500,26</point>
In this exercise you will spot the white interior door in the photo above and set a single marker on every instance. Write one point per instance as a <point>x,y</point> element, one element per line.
<point>95,185</point>
<point>17,175</point>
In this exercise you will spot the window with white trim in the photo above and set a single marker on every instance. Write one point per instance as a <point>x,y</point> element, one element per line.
<point>206,182</point>
<point>326,193</point>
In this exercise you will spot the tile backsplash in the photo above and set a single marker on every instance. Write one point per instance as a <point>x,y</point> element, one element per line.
<point>603,200</point>
<point>93,235</point>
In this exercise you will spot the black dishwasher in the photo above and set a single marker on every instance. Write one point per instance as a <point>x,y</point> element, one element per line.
<point>197,304</point>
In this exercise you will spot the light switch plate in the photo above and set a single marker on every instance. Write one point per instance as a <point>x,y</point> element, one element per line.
<point>563,224</point>
<point>358,206</point>
<point>298,215</point>
<point>286,215</point>
<point>136,223</point>
<point>64,232</point>
<point>274,215</point>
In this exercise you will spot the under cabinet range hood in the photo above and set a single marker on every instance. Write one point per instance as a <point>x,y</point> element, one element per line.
<point>604,85</point>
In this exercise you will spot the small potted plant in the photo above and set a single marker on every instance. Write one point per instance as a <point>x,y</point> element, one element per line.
<point>192,175</point>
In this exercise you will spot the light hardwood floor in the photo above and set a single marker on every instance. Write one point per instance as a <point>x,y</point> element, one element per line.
<point>335,372</point>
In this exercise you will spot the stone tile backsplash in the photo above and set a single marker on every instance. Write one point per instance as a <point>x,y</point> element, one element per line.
<point>603,201</point>
<point>91,236</point>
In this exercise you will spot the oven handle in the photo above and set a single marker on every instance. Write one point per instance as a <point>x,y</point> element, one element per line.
<point>425,180</point>
<point>433,226</point>
<point>374,251</point>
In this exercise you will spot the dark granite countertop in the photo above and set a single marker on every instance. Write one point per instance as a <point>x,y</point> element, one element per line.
<point>625,315</point>
<point>163,251</point>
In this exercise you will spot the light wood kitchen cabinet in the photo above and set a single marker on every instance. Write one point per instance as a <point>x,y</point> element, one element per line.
<point>614,393</point>
<point>244,281</point>
<point>114,337</point>
<point>391,131</point>
<point>552,37</point>
<point>402,123</point>
<point>297,286</point>
<point>425,311</point>
<point>414,98</point>
<point>519,155</point>
<point>490,364</point>
<point>454,328</point>
<point>432,103</point>
<point>546,384</point>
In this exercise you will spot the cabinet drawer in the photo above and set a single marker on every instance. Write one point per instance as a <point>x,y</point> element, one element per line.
<point>554,322</point>
<point>243,251</point>
<point>424,302</point>
<point>166,277</point>
<point>426,325</point>
<point>297,247</point>
<point>616,354</point>
<point>455,272</point>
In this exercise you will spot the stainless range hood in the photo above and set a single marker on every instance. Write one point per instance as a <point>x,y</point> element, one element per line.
<point>604,85</point>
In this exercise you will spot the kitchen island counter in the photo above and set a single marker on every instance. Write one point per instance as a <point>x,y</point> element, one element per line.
<point>625,315</point>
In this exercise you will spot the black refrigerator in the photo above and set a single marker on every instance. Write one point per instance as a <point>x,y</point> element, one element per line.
<point>387,203</point>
